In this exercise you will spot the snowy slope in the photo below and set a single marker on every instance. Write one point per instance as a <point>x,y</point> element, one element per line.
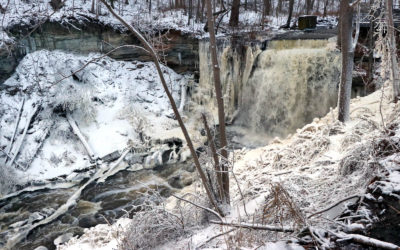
<point>115,104</point>
<point>320,164</point>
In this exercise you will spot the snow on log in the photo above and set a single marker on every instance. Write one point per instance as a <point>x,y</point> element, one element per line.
<point>368,241</point>
<point>78,133</point>
<point>39,146</point>
<point>255,226</point>
<point>19,144</point>
<point>16,126</point>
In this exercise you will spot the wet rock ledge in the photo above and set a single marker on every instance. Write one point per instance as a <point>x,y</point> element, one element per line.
<point>180,51</point>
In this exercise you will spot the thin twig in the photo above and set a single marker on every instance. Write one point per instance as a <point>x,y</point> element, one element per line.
<point>98,58</point>
<point>214,237</point>
<point>199,206</point>
<point>334,205</point>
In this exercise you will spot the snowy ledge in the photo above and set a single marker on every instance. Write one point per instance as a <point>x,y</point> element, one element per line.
<point>115,105</point>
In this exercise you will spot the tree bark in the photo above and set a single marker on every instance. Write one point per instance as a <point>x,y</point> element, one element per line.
<point>326,9</point>
<point>394,67</point>
<point>217,167</point>
<point>220,100</point>
<point>234,18</point>
<point>308,6</point>
<point>346,24</point>
<point>291,5</point>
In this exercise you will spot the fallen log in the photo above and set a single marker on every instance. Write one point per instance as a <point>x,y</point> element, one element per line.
<point>19,144</point>
<point>16,126</point>
<point>42,139</point>
<point>368,241</point>
<point>255,226</point>
<point>78,133</point>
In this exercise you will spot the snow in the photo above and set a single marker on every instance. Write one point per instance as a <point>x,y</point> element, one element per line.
<point>100,237</point>
<point>112,103</point>
<point>136,13</point>
<point>313,178</point>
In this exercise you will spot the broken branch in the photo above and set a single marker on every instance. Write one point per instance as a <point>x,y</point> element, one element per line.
<point>28,121</point>
<point>334,205</point>
<point>78,133</point>
<point>255,226</point>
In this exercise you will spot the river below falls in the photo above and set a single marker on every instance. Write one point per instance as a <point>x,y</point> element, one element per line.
<point>120,195</point>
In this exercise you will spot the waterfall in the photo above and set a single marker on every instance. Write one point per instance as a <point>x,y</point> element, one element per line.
<point>235,66</point>
<point>274,91</point>
<point>290,86</point>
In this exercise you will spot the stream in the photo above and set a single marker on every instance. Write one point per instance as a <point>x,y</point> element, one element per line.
<point>120,195</point>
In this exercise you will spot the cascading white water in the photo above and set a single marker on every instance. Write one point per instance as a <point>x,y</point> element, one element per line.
<point>276,90</point>
<point>290,86</point>
<point>235,67</point>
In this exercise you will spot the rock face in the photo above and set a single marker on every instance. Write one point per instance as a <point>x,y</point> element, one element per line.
<point>178,51</point>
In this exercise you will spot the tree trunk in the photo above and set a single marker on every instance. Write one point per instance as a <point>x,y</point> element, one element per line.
<point>198,10</point>
<point>217,167</point>
<point>394,67</point>
<point>326,9</point>
<point>371,43</point>
<point>234,19</point>
<point>190,11</point>
<point>308,7</point>
<point>291,5</point>
<point>346,24</point>
<point>93,5</point>
<point>202,10</point>
<point>220,101</point>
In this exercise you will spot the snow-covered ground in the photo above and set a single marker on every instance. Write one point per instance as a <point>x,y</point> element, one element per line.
<point>115,104</point>
<point>161,16</point>
<point>320,164</point>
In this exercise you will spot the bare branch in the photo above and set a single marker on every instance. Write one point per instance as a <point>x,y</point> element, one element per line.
<point>334,205</point>
<point>98,58</point>
<point>367,241</point>
<point>199,206</point>
<point>214,237</point>
<point>255,226</point>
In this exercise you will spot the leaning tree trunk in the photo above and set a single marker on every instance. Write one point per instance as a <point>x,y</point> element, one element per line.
<point>394,67</point>
<point>149,48</point>
<point>346,28</point>
<point>220,102</point>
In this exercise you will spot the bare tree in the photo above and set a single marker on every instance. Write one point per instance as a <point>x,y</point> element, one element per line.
<point>291,5</point>
<point>348,44</point>
<point>266,11</point>
<point>149,48</point>
<point>234,18</point>
<point>394,68</point>
<point>220,101</point>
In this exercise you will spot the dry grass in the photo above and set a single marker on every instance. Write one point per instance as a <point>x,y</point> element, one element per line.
<point>281,209</point>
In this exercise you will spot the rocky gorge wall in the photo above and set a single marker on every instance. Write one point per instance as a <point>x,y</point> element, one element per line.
<point>179,51</point>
